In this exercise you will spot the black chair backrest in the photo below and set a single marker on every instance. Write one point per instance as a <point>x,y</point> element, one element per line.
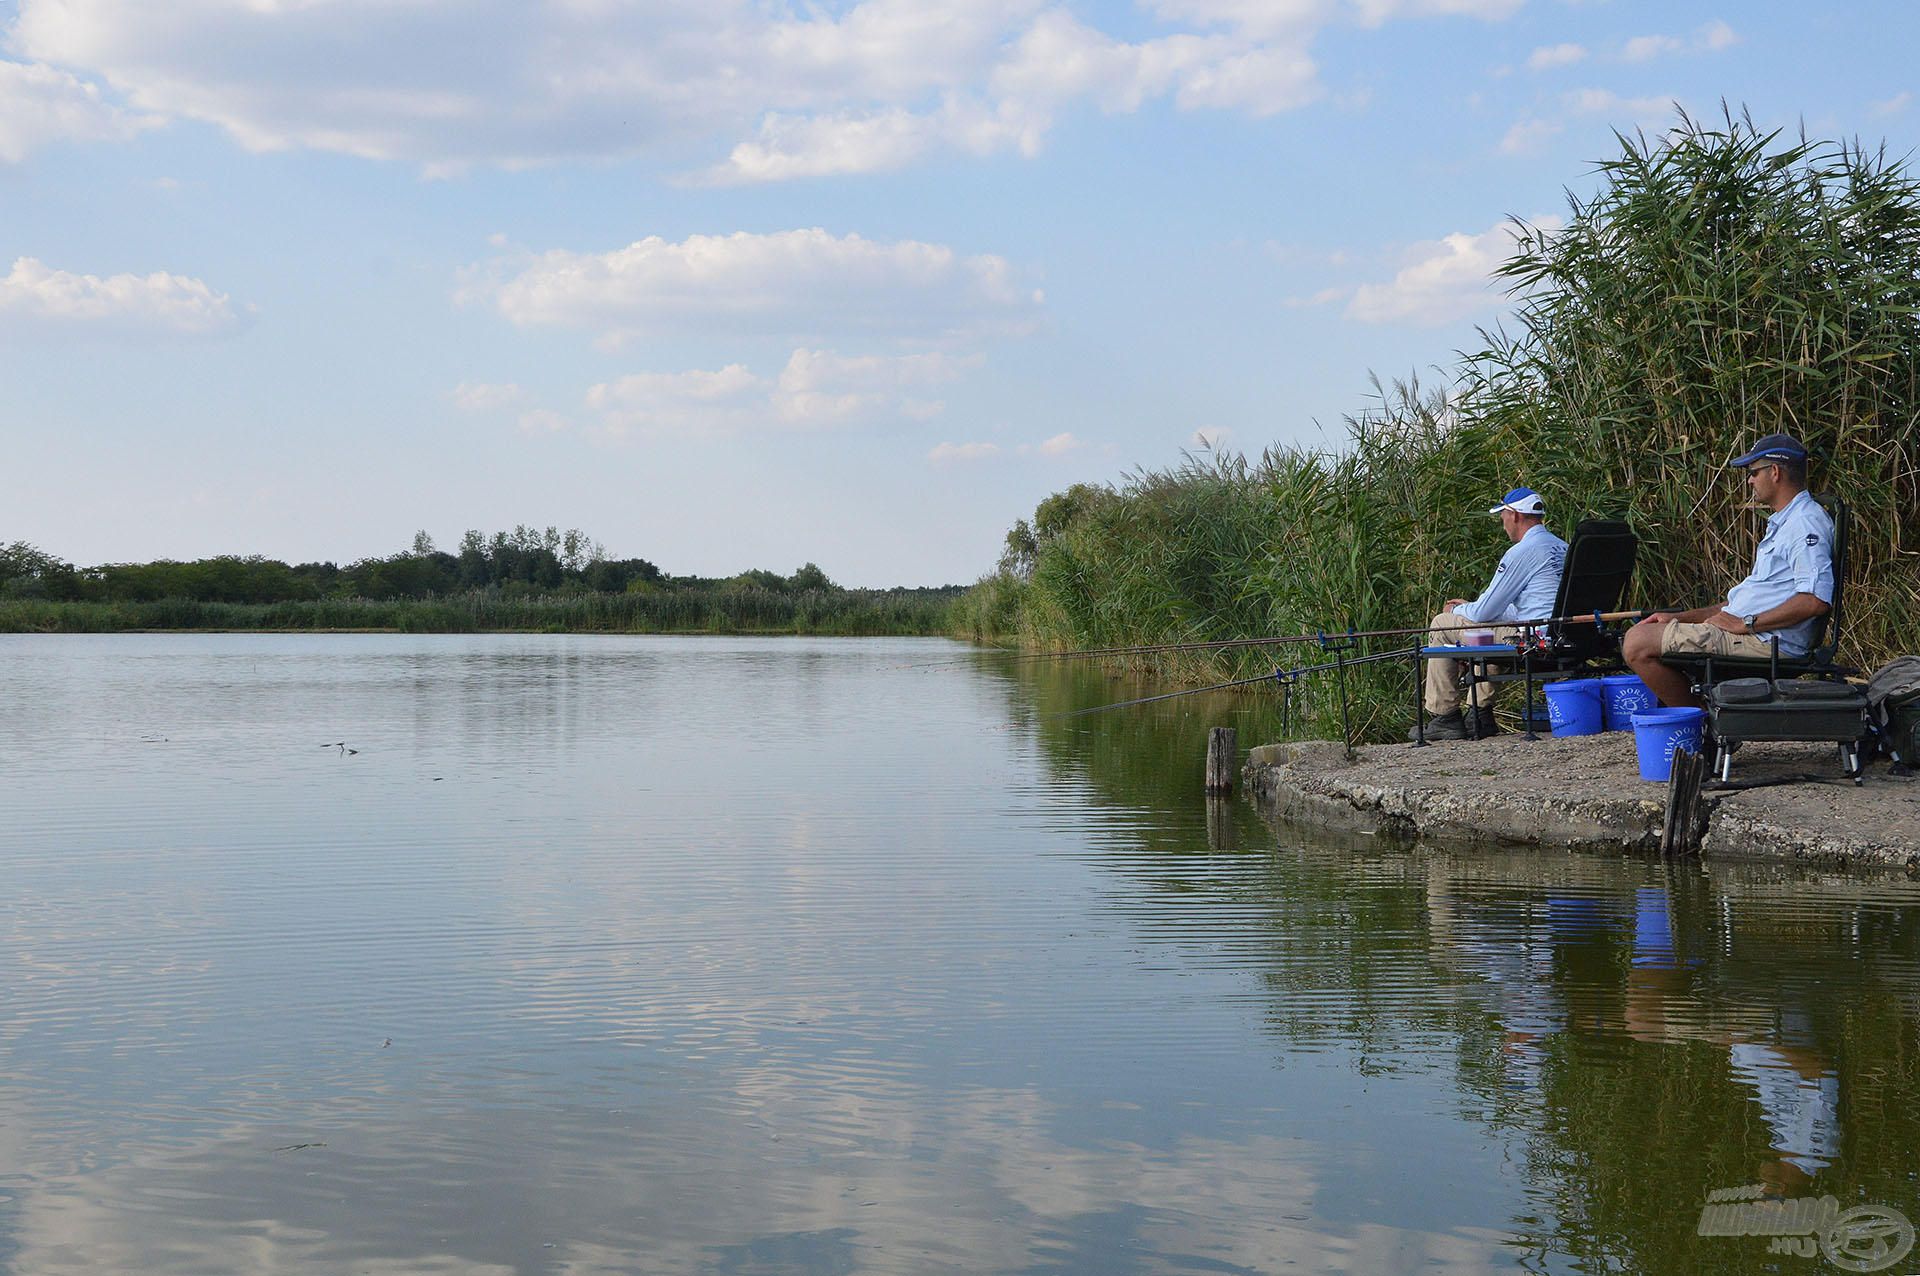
<point>1600,561</point>
<point>1826,630</point>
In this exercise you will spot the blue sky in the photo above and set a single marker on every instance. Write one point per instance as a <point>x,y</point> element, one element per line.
<point>747,283</point>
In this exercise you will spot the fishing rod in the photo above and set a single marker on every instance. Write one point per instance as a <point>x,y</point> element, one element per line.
<point>1322,637</point>
<point>1278,675</point>
<point>1218,644</point>
<point>1290,675</point>
<point>1167,695</point>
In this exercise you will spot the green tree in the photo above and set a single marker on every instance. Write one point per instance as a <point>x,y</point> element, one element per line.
<point>809,577</point>
<point>25,570</point>
<point>760,578</point>
<point>1016,557</point>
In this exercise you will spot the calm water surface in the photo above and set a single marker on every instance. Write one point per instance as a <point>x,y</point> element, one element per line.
<point>508,954</point>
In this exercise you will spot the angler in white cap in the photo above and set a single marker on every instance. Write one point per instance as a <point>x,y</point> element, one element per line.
<point>1524,587</point>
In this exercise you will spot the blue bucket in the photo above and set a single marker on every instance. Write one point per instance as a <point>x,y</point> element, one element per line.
<point>1573,706</point>
<point>1625,695</point>
<point>1658,732</point>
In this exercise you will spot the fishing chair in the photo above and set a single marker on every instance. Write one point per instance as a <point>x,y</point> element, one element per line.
<point>1600,560</point>
<point>1706,672</point>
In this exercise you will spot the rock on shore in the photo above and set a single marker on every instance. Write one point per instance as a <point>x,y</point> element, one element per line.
<point>1586,791</point>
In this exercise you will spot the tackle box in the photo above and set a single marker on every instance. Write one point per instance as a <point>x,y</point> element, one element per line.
<point>1743,709</point>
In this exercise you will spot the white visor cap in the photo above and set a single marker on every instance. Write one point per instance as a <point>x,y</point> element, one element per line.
<point>1521,500</point>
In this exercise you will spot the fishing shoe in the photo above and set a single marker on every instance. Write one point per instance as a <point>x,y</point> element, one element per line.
<point>1484,725</point>
<point>1442,726</point>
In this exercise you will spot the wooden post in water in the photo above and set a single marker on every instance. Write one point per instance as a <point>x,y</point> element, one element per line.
<point>1223,750</point>
<point>1679,829</point>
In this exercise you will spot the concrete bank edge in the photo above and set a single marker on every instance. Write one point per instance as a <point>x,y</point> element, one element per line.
<point>1312,783</point>
<point>1284,777</point>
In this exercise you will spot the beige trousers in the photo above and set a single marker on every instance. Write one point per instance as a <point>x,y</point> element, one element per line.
<point>1444,693</point>
<point>1688,638</point>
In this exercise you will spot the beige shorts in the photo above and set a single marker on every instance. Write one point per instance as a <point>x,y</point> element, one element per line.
<point>1686,638</point>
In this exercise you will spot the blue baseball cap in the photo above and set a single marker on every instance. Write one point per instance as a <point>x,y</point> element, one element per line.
<point>1775,447</point>
<point>1521,500</point>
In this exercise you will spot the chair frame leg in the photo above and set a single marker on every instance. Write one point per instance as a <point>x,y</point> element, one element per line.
<point>1420,740</point>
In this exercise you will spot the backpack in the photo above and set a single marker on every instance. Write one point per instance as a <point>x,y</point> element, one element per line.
<point>1893,701</point>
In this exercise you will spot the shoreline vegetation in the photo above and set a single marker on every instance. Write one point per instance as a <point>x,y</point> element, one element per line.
<point>1722,284</point>
<point>524,581</point>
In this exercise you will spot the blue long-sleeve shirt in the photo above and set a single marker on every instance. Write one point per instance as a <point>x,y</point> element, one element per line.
<point>1795,557</point>
<point>1525,584</point>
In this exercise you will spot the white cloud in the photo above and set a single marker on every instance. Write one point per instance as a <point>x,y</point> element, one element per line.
<point>1375,12</point>
<point>1211,437</point>
<point>816,389</point>
<point>1060,59</point>
<point>1528,136</point>
<point>699,401</point>
<point>1717,35</point>
<point>1893,105</point>
<point>1266,18</point>
<point>949,453</point>
<point>159,304</point>
<point>542,421</point>
<point>1303,255</point>
<point>801,282</point>
<point>1059,445</point>
<point>1271,18</point>
<point>1443,281</point>
<point>1554,55</point>
<point>791,146</point>
<point>480,396</point>
<point>803,90</point>
<point>1638,110</point>
<point>1263,81</point>
<point>1711,38</point>
<point>1643,48</point>
<point>40,106</point>
<point>1323,297</point>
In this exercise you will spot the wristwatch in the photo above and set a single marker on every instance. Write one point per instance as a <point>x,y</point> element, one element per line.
<point>1752,625</point>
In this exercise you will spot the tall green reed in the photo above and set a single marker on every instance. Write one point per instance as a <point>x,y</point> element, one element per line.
<point>1721,284</point>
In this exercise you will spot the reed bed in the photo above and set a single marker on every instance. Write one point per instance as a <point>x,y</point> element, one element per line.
<point>850,612</point>
<point>1723,283</point>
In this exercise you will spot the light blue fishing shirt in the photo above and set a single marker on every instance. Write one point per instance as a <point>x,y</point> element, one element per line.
<point>1525,584</point>
<point>1795,557</point>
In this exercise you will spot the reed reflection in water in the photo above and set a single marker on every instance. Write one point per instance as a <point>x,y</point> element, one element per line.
<point>609,954</point>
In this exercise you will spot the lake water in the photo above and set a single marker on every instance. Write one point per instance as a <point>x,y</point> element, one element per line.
<point>360,953</point>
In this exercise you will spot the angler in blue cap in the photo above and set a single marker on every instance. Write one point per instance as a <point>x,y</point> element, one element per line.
<point>1523,587</point>
<point>1790,587</point>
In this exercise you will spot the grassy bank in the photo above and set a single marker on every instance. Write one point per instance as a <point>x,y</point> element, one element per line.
<point>1721,285</point>
<point>844,612</point>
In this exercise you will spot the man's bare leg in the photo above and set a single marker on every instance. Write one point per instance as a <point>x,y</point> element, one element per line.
<point>1641,650</point>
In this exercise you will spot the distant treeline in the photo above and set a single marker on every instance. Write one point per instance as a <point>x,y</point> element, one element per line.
<point>526,579</point>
